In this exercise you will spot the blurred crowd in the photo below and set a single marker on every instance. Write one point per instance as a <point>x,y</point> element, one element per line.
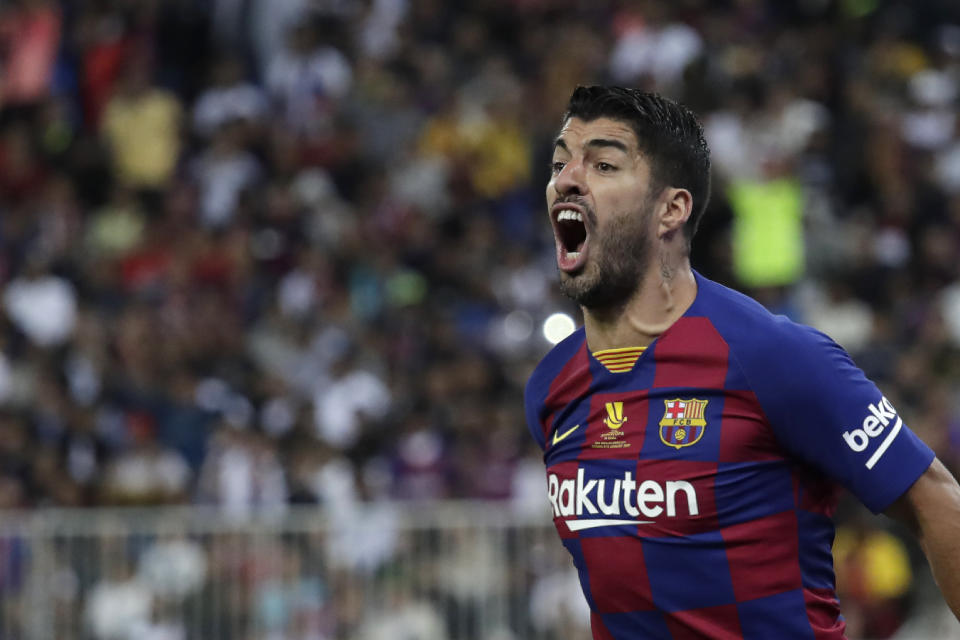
<point>256,253</point>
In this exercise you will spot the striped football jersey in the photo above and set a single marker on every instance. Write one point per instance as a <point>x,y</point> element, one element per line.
<point>693,482</point>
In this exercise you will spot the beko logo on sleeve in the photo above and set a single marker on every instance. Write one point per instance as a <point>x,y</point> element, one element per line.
<point>879,417</point>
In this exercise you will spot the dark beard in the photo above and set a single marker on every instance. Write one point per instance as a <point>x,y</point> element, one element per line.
<point>618,262</point>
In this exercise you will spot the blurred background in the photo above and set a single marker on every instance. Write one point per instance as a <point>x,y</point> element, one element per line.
<point>273,274</point>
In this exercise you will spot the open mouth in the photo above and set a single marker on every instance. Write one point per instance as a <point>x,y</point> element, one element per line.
<point>571,236</point>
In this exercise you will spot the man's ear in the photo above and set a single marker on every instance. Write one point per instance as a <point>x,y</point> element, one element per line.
<point>676,205</point>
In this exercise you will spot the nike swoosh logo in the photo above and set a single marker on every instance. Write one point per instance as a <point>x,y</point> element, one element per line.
<point>558,438</point>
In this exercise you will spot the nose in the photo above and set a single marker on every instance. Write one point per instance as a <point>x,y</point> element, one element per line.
<point>571,180</point>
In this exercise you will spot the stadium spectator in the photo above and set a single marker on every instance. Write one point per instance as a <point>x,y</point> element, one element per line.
<point>30,33</point>
<point>241,473</point>
<point>307,78</point>
<point>229,97</point>
<point>141,124</point>
<point>41,304</point>
<point>119,606</point>
<point>146,473</point>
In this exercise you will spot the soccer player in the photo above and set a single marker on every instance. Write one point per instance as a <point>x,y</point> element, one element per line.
<point>694,442</point>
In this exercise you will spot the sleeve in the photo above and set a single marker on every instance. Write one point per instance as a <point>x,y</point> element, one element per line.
<point>825,411</point>
<point>533,398</point>
<point>538,386</point>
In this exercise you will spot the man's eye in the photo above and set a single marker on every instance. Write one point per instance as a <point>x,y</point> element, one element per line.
<point>557,167</point>
<point>605,167</point>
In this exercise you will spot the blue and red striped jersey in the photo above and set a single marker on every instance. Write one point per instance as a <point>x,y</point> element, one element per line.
<point>695,488</point>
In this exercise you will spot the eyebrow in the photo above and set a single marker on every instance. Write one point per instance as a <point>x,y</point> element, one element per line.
<point>594,142</point>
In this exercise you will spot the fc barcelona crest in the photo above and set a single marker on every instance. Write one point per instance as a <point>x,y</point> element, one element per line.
<point>683,422</point>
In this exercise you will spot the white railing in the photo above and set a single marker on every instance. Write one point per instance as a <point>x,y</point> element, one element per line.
<point>462,571</point>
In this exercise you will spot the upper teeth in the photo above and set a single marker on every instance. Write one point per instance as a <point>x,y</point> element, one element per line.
<point>569,214</point>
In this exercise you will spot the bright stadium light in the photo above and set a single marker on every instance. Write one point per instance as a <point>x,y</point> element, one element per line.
<point>557,327</point>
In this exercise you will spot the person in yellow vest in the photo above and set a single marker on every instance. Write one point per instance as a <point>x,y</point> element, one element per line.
<point>141,126</point>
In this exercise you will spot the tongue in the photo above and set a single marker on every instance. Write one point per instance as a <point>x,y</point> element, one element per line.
<point>571,260</point>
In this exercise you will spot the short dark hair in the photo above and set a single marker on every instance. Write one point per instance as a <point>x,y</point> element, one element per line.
<point>668,134</point>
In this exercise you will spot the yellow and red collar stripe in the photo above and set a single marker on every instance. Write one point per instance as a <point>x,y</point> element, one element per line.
<point>619,360</point>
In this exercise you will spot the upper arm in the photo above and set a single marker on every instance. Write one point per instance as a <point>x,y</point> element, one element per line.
<point>825,412</point>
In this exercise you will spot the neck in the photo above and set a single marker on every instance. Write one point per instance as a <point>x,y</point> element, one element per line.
<point>664,295</point>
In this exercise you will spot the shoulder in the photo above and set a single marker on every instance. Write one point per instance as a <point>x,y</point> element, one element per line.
<point>542,380</point>
<point>553,364</point>
<point>755,336</point>
<point>792,369</point>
